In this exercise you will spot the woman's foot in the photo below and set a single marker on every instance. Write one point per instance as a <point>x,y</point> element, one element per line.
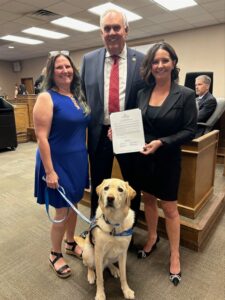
<point>72,248</point>
<point>175,278</point>
<point>58,265</point>
<point>175,270</point>
<point>148,248</point>
<point>174,263</point>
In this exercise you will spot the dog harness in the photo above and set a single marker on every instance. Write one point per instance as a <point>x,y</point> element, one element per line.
<point>94,225</point>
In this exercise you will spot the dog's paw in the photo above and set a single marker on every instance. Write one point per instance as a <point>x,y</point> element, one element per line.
<point>115,272</point>
<point>100,296</point>
<point>128,293</point>
<point>91,276</point>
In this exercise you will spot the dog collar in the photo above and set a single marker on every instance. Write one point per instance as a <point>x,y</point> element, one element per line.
<point>123,233</point>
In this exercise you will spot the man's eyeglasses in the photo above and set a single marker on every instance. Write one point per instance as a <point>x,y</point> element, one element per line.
<point>107,28</point>
<point>54,53</point>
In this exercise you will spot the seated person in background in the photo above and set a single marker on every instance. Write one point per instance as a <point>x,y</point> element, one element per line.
<point>205,101</point>
<point>22,89</point>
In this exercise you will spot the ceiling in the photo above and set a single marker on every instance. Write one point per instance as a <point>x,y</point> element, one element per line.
<point>18,15</point>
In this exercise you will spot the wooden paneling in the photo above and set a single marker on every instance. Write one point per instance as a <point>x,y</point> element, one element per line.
<point>198,172</point>
<point>22,121</point>
<point>31,101</point>
<point>23,115</point>
<point>197,175</point>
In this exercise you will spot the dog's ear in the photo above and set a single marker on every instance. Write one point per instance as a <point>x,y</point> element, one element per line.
<point>100,187</point>
<point>131,192</point>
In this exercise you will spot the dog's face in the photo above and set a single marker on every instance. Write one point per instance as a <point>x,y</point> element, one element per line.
<point>115,194</point>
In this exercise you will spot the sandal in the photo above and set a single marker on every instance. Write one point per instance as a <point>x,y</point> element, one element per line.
<point>59,272</point>
<point>71,251</point>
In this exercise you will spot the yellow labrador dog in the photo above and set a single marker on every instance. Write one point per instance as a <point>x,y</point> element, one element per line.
<point>109,235</point>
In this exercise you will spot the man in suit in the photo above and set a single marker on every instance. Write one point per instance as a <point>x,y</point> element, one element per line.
<point>95,76</point>
<point>205,101</point>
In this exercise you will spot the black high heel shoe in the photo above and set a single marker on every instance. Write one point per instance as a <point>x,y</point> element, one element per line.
<point>143,254</point>
<point>175,278</point>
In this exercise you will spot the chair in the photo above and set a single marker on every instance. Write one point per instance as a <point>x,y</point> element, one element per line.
<point>190,79</point>
<point>220,108</point>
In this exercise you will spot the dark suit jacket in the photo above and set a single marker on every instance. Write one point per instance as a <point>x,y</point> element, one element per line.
<point>206,107</point>
<point>176,121</point>
<point>92,77</point>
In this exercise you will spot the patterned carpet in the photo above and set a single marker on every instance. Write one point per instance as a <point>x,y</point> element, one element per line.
<point>24,247</point>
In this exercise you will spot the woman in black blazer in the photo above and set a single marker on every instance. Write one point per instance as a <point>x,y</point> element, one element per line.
<point>169,117</point>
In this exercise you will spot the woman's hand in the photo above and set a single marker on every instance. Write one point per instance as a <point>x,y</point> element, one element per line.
<point>52,180</point>
<point>151,147</point>
<point>109,134</point>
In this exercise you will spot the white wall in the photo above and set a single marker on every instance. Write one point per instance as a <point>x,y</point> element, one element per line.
<point>200,49</point>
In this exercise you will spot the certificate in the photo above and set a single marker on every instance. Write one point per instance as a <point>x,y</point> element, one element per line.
<point>127,131</point>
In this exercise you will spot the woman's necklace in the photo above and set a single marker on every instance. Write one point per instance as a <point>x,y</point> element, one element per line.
<point>74,101</point>
<point>72,98</point>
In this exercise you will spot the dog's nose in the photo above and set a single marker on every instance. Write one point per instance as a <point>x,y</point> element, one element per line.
<point>110,198</point>
<point>110,201</point>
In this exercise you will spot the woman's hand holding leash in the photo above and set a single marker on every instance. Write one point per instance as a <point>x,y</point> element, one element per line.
<point>52,180</point>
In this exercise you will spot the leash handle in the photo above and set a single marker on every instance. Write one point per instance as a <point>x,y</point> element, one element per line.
<point>47,209</point>
<point>62,192</point>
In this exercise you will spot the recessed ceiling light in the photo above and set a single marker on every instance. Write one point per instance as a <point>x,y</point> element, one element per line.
<point>176,4</point>
<point>45,33</point>
<point>75,24</point>
<point>98,10</point>
<point>20,39</point>
<point>11,47</point>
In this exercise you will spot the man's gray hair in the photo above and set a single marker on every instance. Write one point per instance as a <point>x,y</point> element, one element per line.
<point>206,79</point>
<point>126,25</point>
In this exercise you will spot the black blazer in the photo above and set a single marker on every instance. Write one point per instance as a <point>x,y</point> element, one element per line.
<point>176,121</point>
<point>206,107</point>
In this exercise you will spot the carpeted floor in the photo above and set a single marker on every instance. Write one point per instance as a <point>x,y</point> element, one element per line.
<point>24,249</point>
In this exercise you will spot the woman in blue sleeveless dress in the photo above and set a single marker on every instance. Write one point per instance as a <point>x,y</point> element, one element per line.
<point>61,117</point>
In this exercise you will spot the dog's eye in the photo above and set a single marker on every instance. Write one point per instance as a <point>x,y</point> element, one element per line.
<point>120,189</point>
<point>106,188</point>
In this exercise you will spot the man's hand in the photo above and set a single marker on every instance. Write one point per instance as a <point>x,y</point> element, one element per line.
<point>109,134</point>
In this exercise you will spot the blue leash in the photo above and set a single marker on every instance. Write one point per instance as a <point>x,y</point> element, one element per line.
<point>62,192</point>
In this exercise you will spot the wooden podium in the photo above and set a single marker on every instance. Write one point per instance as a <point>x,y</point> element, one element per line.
<point>23,107</point>
<point>198,173</point>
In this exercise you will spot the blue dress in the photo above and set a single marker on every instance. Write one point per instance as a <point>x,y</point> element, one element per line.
<point>67,140</point>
